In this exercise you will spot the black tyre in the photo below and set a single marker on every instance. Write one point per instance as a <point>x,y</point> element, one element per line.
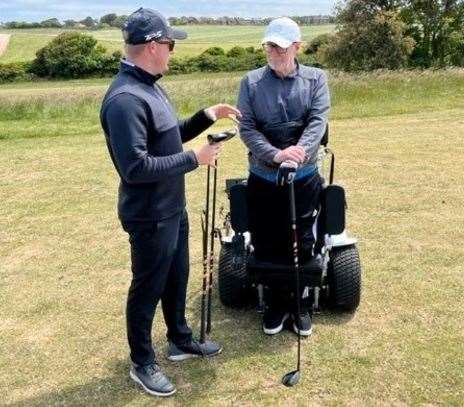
<point>344,278</point>
<point>234,288</point>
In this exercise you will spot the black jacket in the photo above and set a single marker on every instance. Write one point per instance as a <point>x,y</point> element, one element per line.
<point>144,139</point>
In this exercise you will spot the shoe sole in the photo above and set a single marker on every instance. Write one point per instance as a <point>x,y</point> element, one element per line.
<point>152,392</point>
<point>276,330</point>
<point>185,356</point>
<point>303,333</point>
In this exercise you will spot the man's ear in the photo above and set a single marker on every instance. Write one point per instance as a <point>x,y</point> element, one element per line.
<point>298,46</point>
<point>151,47</point>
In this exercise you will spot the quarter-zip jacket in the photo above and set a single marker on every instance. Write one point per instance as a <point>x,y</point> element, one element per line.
<point>265,99</point>
<point>144,139</point>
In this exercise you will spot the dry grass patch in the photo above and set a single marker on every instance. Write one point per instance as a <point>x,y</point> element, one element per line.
<point>65,263</point>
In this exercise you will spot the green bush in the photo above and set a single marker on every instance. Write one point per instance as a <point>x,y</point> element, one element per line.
<point>317,42</point>
<point>236,52</point>
<point>16,71</point>
<point>182,66</point>
<point>70,55</point>
<point>77,55</point>
<point>110,65</point>
<point>310,60</point>
<point>211,63</point>
<point>216,51</point>
<point>247,62</point>
<point>379,42</point>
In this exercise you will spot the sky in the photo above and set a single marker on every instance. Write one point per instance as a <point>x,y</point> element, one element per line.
<point>38,10</point>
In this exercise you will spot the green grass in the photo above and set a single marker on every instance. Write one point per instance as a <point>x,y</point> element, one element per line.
<point>65,262</point>
<point>25,43</point>
<point>366,95</point>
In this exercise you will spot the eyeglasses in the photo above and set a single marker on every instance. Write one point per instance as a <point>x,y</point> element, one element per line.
<point>270,46</point>
<point>171,44</point>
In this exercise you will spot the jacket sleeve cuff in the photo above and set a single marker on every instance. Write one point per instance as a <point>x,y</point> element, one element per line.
<point>192,159</point>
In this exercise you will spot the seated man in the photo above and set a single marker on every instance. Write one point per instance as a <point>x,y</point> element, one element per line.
<point>284,108</point>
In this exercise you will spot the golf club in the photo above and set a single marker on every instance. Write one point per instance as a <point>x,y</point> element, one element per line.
<point>286,175</point>
<point>208,255</point>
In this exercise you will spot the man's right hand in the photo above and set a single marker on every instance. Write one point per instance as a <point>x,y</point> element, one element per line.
<point>208,153</point>
<point>292,153</point>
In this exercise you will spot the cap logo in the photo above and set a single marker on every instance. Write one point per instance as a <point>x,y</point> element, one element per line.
<point>157,34</point>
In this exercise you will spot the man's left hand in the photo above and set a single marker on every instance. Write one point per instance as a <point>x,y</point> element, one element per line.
<point>222,111</point>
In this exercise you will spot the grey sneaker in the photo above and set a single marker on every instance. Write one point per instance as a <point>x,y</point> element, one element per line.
<point>192,349</point>
<point>152,380</point>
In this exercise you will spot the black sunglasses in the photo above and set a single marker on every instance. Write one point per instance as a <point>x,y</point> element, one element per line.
<point>171,44</point>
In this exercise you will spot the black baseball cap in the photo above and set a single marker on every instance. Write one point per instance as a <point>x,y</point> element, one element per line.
<point>145,25</point>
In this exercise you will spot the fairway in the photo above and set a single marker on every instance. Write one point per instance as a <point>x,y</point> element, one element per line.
<point>25,43</point>
<point>65,265</point>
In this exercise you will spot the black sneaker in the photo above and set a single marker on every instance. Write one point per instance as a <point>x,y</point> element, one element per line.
<point>152,380</point>
<point>305,324</point>
<point>192,349</point>
<point>273,321</point>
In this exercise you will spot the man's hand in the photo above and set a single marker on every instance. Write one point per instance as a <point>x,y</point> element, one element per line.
<point>292,153</point>
<point>208,153</point>
<point>222,111</point>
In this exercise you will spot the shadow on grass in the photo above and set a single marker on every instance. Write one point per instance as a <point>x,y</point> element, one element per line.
<point>240,333</point>
<point>240,330</point>
<point>114,390</point>
<point>119,390</point>
<point>328,317</point>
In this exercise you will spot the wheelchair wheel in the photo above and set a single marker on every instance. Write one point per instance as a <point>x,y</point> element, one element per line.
<point>234,288</point>
<point>344,279</point>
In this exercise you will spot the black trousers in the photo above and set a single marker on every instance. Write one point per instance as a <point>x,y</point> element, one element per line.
<point>271,236</point>
<point>269,218</point>
<point>160,269</point>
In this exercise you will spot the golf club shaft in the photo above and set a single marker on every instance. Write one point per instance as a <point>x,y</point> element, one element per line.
<point>295,259</point>
<point>211,252</point>
<point>205,262</point>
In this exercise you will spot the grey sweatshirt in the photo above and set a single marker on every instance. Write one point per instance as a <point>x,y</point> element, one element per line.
<point>266,99</point>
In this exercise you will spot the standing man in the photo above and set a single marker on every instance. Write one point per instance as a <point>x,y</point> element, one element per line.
<point>144,139</point>
<point>284,107</point>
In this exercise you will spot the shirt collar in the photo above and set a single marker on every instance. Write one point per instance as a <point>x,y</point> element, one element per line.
<point>139,73</point>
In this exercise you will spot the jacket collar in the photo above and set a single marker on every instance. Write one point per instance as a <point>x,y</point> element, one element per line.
<point>292,75</point>
<point>139,73</point>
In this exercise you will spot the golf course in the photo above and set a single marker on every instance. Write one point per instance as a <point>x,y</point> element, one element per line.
<point>65,261</point>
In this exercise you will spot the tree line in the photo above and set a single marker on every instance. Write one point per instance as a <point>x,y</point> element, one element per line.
<point>117,21</point>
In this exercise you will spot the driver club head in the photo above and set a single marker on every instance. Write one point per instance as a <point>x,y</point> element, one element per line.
<point>221,137</point>
<point>291,378</point>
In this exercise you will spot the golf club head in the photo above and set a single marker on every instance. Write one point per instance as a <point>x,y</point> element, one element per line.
<point>291,378</point>
<point>224,136</point>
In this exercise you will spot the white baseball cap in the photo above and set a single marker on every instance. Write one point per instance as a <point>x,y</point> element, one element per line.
<point>282,31</point>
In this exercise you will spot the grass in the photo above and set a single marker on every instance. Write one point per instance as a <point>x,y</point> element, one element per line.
<point>65,261</point>
<point>27,108</point>
<point>25,43</point>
